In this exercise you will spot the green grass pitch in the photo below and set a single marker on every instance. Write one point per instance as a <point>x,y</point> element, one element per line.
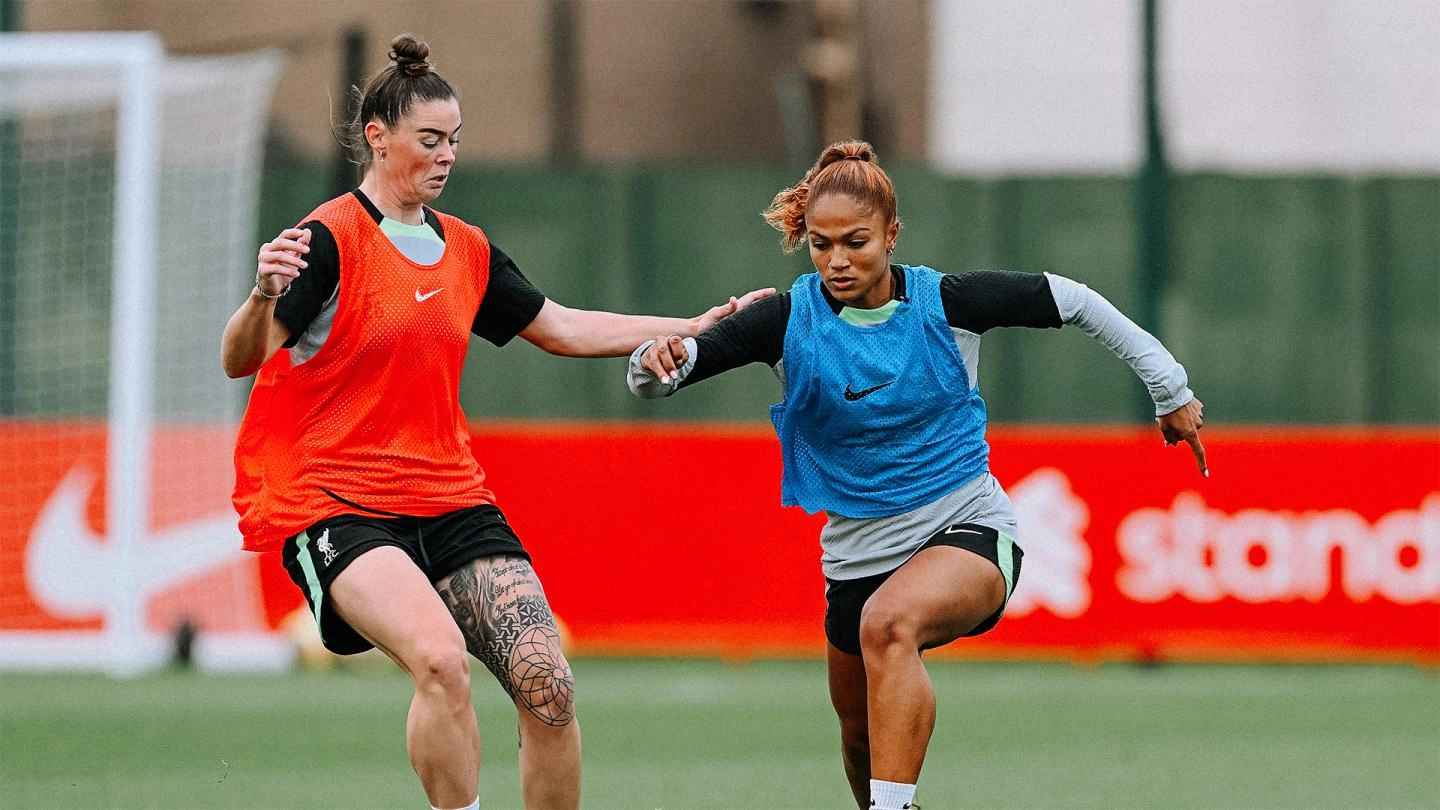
<point>694,734</point>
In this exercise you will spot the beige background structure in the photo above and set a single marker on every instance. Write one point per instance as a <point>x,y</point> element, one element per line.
<point>729,80</point>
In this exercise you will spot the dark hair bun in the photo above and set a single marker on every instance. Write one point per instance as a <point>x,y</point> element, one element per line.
<point>410,55</point>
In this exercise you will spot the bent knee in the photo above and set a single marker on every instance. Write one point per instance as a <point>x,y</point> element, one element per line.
<point>883,627</point>
<point>442,667</point>
<point>545,689</point>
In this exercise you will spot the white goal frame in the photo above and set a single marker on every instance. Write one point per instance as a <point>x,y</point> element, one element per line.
<point>136,57</point>
<point>137,75</point>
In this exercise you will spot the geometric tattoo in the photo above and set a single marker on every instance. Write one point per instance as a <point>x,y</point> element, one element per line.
<point>501,610</point>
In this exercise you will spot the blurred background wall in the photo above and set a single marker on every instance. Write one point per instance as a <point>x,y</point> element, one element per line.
<point>1278,224</point>
<point>614,80</point>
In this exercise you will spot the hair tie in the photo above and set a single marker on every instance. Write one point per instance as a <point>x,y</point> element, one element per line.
<point>853,157</point>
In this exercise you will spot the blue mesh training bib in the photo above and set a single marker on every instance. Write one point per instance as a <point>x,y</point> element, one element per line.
<point>876,420</point>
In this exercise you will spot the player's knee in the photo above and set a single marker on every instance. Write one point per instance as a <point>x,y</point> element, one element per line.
<point>443,669</point>
<point>884,627</point>
<point>545,690</point>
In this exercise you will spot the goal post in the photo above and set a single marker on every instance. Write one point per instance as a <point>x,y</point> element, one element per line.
<point>104,141</point>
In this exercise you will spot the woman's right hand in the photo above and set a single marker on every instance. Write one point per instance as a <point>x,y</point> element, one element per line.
<point>254,333</point>
<point>719,313</point>
<point>666,355</point>
<point>280,261</point>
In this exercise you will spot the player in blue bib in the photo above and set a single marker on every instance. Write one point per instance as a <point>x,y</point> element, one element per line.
<point>882,428</point>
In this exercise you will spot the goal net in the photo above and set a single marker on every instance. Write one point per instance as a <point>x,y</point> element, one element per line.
<point>128,190</point>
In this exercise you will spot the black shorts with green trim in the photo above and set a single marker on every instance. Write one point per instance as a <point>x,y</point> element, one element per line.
<point>438,546</point>
<point>846,598</point>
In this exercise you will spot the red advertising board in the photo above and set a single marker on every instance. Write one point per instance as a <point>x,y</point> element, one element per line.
<point>669,539</point>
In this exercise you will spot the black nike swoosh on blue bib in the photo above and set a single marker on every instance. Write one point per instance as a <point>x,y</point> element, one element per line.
<point>854,395</point>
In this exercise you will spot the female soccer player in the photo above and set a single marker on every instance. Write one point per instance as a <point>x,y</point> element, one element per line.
<point>882,427</point>
<point>354,459</point>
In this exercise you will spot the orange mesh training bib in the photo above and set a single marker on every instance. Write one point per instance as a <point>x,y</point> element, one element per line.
<point>374,417</point>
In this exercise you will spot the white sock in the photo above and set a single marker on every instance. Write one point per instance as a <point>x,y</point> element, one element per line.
<point>475,805</point>
<point>890,795</point>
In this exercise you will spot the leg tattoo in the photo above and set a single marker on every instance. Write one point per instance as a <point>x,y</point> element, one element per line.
<point>508,626</point>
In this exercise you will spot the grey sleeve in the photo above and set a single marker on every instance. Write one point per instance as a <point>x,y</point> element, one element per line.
<point>1083,307</point>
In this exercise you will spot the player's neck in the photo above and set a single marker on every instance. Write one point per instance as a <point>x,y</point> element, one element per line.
<point>408,213</point>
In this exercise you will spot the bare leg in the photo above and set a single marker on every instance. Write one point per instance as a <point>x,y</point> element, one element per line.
<point>848,696</point>
<point>938,596</point>
<point>508,626</point>
<point>391,602</point>
<point>902,703</point>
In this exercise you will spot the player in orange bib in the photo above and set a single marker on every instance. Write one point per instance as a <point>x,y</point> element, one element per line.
<point>353,458</point>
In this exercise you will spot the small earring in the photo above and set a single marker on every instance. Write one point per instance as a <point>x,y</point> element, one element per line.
<point>382,158</point>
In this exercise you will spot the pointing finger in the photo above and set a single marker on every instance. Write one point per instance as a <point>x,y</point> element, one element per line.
<point>1193,439</point>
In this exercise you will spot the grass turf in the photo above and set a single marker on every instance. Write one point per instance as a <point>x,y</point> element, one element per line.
<point>682,734</point>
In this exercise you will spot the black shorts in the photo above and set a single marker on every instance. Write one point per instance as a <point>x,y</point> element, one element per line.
<point>438,545</point>
<point>846,598</point>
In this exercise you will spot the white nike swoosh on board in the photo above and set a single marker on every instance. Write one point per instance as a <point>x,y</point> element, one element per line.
<point>67,565</point>
<point>419,297</point>
<point>953,530</point>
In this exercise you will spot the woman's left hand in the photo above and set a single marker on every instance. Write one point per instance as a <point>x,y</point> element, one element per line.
<point>665,356</point>
<point>1183,425</point>
<point>734,305</point>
